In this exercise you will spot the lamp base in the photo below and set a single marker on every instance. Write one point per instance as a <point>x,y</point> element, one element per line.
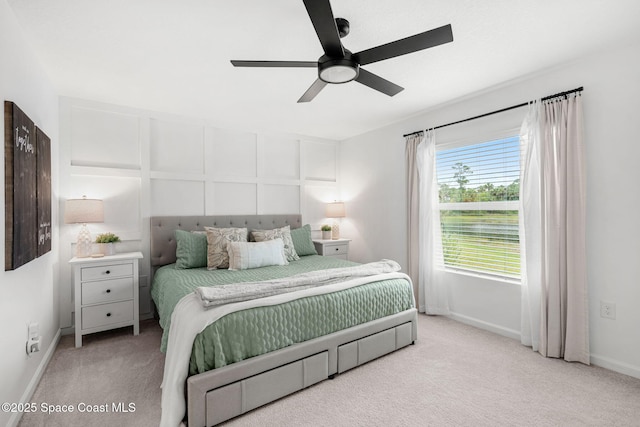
<point>335,231</point>
<point>84,244</point>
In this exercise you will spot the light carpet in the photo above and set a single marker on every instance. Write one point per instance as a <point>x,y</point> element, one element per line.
<point>455,375</point>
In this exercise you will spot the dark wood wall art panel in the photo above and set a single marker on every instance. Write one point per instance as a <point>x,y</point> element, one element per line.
<point>43,185</point>
<point>21,217</point>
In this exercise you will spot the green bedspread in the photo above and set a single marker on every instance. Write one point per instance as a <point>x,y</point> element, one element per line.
<point>240,335</point>
<point>248,333</point>
<point>171,284</point>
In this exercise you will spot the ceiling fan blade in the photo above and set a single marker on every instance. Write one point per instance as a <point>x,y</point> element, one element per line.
<point>303,64</point>
<point>378,83</point>
<point>311,93</point>
<point>411,44</point>
<point>323,21</point>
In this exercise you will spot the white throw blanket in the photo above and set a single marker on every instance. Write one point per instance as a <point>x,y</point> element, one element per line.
<point>189,318</point>
<point>212,296</point>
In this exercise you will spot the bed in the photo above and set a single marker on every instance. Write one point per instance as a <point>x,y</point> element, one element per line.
<point>231,358</point>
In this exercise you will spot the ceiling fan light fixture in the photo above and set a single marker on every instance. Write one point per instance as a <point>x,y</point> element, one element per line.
<point>339,65</point>
<point>338,71</point>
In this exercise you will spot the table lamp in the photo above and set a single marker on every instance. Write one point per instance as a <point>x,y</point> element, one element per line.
<point>83,211</point>
<point>335,210</point>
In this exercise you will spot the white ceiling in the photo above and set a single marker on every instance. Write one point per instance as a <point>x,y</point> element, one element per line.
<point>173,56</point>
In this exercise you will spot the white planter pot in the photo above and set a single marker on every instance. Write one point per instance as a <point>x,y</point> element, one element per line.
<point>326,235</point>
<point>107,248</point>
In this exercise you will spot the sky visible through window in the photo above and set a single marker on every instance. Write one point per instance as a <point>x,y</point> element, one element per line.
<point>494,163</point>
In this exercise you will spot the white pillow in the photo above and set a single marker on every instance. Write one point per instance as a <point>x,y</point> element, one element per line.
<point>245,255</point>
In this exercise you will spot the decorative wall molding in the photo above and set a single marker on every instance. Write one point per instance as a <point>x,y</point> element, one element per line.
<point>144,163</point>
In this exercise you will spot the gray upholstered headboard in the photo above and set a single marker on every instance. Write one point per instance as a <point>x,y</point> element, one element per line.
<point>163,242</point>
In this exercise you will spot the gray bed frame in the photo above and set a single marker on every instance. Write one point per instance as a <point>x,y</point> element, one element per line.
<point>221,394</point>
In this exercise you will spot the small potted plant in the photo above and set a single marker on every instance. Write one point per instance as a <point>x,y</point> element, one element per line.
<point>326,232</point>
<point>106,242</point>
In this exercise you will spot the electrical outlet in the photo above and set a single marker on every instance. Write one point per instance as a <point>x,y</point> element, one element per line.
<point>33,341</point>
<point>608,310</point>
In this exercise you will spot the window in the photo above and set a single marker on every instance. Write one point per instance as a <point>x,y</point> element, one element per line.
<point>479,187</point>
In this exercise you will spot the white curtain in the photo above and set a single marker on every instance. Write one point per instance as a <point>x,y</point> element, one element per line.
<point>432,294</point>
<point>413,209</point>
<point>555,319</point>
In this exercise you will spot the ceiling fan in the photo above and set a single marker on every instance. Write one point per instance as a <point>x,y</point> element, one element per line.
<point>339,65</point>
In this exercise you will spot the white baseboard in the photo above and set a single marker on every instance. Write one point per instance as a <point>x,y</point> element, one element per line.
<point>597,360</point>
<point>481,324</point>
<point>615,365</point>
<point>37,376</point>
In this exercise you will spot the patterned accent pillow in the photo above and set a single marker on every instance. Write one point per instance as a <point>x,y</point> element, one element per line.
<point>191,250</point>
<point>302,241</point>
<point>283,233</point>
<point>217,238</point>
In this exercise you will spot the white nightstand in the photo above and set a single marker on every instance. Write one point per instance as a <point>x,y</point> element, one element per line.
<point>106,293</point>
<point>338,248</point>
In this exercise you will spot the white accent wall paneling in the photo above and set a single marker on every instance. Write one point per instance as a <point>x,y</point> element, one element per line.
<point>321,162</point>
<point>176,147</point>
<point>232,198</point>
<point>316,198</point>
<point>100,157</point>
<point>179,166</point>
<point>115,192</point>
<point>104,138</point>
<point>280,199</point>
<point>177,197</point>
<point>320,168</point>
<point>231,153</point>
<point>281,157</point>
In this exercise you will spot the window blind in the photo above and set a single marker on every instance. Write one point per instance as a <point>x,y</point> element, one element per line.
<point>478,192</point>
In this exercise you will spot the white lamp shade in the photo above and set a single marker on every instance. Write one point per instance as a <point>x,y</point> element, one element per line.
<point>82,211</point>
<point>335,210</point>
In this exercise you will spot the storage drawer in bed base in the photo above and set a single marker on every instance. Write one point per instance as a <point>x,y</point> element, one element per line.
<point>368,348</point>
<point>221,394</point>
<point>242,396</point>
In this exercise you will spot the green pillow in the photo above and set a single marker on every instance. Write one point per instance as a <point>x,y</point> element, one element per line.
<point>302,241</point>
<point>191,251</point>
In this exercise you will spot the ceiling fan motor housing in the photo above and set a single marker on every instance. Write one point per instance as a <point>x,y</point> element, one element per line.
<point>338,70</point>
<point>343,27</point>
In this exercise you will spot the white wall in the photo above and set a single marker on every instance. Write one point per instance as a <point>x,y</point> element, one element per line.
<point>29,293</point>
<point>373,186</point>
<point>144,163</point>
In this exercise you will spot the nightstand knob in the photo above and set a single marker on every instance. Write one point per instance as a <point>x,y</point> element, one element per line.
<point>107,272</point>
<point>337,249</point>
<point>108,291</point>
<point>108,314</point>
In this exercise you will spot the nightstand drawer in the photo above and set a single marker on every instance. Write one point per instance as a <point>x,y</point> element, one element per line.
<point>107,290</point>
<point>333,248</point>
<point>341,249</point>
<point>107,314</point>
<point>107,271</point>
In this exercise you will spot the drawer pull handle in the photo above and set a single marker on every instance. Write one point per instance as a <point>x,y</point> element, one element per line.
<point>337,249</point>
<point>108,314</point>
<point>107,272</point>
<point>108,291</point>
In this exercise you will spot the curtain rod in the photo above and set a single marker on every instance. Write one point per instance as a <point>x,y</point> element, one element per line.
<point>555,95</point>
